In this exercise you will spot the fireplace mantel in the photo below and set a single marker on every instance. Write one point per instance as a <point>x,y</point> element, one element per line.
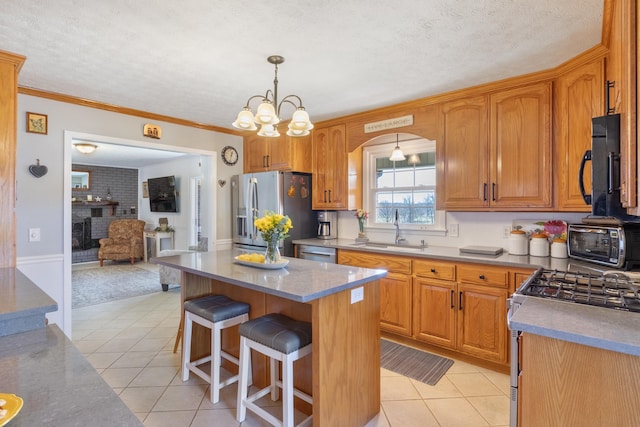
<point>93,204</point>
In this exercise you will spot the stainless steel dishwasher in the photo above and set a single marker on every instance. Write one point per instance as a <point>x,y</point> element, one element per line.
<point>317,253</point>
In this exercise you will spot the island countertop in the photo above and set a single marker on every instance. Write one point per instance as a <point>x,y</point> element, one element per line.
<point>300,280</point>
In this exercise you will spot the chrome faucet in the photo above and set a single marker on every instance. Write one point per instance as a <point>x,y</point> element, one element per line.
<point>399,240</point>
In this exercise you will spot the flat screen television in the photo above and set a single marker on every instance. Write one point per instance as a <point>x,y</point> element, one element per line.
<point>162,194</point>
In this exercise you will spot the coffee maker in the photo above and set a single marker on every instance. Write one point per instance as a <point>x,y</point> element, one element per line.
<point>327,225</point>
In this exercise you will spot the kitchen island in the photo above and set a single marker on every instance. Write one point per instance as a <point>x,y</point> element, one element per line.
<point>342,304</point>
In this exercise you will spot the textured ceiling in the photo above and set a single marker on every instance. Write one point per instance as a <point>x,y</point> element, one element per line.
<point>200,60</point>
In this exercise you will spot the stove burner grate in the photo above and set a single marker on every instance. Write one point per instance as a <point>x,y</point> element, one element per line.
<point>611,290</point>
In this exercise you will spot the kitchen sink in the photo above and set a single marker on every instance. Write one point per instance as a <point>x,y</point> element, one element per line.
<point>390,246</point>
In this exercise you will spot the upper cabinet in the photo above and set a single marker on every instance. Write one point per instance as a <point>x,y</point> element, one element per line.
<point>463,155</point>
<point>520,139</point>
<point>496,153</point>
<point>284,153</point>
<point>578,96</point>
<point>330,168</point>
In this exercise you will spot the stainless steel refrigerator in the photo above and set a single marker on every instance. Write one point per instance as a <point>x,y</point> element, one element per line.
<point>287,193</point>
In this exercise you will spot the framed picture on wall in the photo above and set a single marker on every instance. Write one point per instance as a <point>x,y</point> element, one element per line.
<point>37,123</point>
<point>145,190</point>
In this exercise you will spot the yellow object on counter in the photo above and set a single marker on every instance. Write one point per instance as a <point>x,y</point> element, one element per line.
<point>258,258</point>
<point>12,404</point>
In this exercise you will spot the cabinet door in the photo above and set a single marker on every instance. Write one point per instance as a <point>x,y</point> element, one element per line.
<point>482,322</point>
<point>330,161</point>
<point>395,303</point>
<point>435,312</point>
<point>578,99</point>
<point>256,156</point>
<point>520,139</point>
<point>465,155</point>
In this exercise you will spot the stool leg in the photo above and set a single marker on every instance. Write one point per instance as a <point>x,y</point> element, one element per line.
<point>215,363</point>
<point>275,392</point>
<point>186,346</point>
<point>245,360</point>
<point>287,392</point>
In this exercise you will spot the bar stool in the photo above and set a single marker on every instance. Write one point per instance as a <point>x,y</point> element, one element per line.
<point>215,312</point>
<point>284,340</point>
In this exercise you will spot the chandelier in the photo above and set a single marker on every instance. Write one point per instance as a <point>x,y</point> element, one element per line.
<point>268,112</point>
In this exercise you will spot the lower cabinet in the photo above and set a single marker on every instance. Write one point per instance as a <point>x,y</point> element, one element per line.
<point>462,316</point>
<point>457,306</point>
<point>395,289</point>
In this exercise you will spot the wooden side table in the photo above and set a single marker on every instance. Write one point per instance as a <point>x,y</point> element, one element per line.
<point>158,236</point>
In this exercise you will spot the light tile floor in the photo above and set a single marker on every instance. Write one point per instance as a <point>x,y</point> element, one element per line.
<point>130,342</point>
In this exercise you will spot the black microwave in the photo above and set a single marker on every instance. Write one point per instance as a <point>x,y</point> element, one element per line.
<point>616,246</point>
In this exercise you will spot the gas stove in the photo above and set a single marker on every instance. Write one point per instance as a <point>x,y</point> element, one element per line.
<point>612,289</point>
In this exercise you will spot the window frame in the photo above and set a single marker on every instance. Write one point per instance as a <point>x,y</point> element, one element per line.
<point>369,156</point>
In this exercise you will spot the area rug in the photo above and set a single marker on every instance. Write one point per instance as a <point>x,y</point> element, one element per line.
<point>419,365</point>
<point>112,282</point>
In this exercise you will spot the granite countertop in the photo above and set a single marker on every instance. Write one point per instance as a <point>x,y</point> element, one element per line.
<point>57,383</point>
<point>301,280</point>
<point>23,305</point>
<point>450,253</point>
<point>600,327</point>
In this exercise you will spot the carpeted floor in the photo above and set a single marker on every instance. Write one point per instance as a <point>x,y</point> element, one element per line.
<point>419,365</point>
<point>97,284</point>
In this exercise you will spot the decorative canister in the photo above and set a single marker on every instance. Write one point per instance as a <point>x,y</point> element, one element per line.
<point>518,243</point>
<point>539,245</point>
<point>559,248</point>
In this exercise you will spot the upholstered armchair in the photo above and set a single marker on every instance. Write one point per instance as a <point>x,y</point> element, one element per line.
<point>124,241</point>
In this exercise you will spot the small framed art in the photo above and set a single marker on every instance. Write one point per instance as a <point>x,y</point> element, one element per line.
<point>37,123</point>
<point>145,190</point>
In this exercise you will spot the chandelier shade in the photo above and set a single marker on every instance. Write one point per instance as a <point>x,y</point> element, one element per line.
<point>268,112</point>
<point>397,155</point>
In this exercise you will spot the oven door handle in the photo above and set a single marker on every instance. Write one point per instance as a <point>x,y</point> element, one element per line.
<point>586,158</point>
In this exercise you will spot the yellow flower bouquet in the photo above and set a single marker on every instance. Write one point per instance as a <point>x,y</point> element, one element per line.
<point>273,227</point>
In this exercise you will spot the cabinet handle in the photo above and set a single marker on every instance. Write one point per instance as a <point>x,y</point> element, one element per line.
<point>493,191</point>
<point>325,196</point>
<point>484,192</point>
<point>460,301</point>
<point>453,296</point>
<point>433,270</point>
<point>329,196</point>
<point>481,277</point>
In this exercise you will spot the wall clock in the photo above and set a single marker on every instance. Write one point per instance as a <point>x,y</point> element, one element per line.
<point>229,155</point>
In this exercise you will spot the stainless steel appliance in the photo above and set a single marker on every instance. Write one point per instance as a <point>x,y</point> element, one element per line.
<point>317,253</point>
<point>287,193</point>
<point>616,246</point>
<point>615,290</point>
<point>327,225</point>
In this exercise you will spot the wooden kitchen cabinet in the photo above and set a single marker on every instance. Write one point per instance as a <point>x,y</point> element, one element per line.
<point>284,153</point>
<point>578,97</point>
<point>568,384</point>
<point>520,139</point>
<point>330,168</point>
<point>463,155</point>
<point>497,151</point>
<point>467,315</point>
<point>395,289</point>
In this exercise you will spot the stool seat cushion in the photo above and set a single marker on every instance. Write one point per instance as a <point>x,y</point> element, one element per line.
<point>278,332</point>
<point>216,308</point>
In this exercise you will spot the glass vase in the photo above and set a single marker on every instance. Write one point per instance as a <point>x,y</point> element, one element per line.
<point>361,228</point>
<point>272,254</point>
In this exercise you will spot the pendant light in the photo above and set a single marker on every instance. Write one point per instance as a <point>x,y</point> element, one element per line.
<point>397,155</point>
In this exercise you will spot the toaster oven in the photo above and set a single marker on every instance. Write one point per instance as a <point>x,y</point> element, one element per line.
<point>615,246</point>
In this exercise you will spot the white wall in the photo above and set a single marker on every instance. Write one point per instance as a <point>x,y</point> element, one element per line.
<point>40,201</point>
<point>475,228</point>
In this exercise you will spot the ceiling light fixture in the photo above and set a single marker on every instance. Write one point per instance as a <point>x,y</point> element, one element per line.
<point>85,148</point>
<point>268,112</point>
<point>397,155</point>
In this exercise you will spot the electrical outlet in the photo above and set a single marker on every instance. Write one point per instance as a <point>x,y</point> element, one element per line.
<point>506,231</point>
<point>34,234</point>
<point>453,230</point>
